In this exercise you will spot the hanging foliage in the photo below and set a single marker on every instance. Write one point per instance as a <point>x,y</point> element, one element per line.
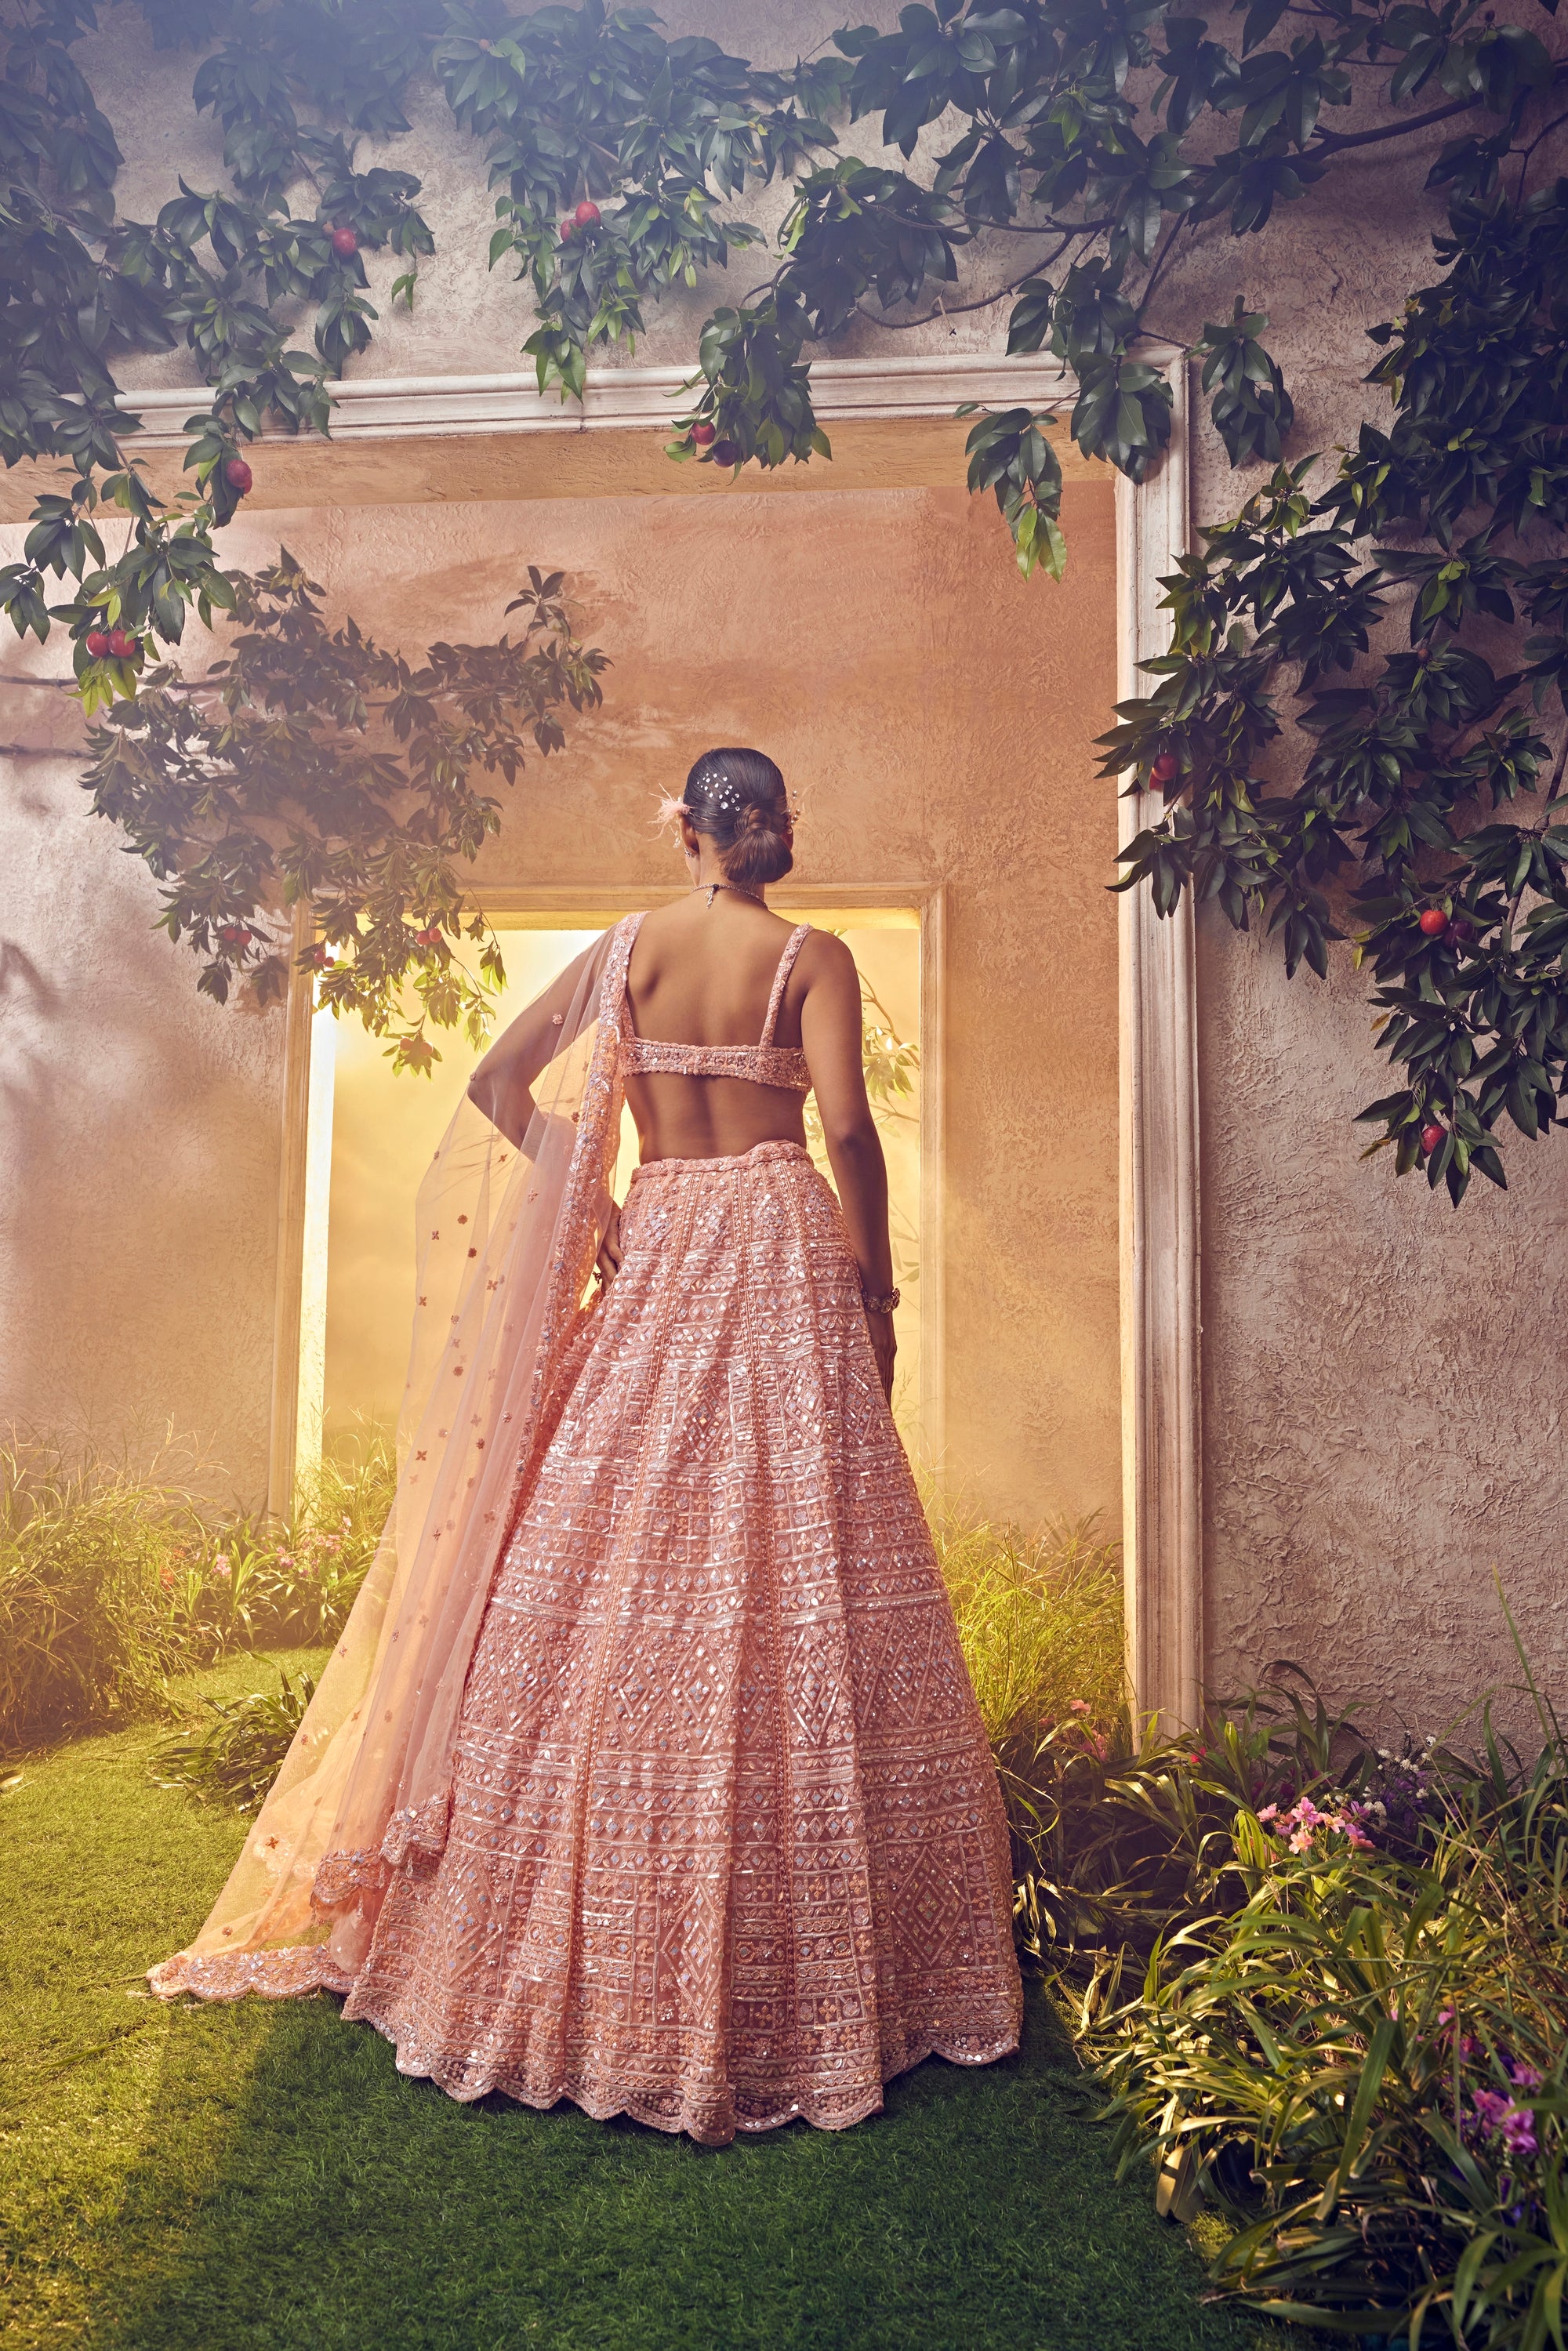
<point>313,766</point>
<point>1102,138</point>
<point>1431,807</point>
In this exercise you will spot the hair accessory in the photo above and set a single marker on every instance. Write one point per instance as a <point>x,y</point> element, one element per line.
<point>670,808</point>
<point>879,1305</point>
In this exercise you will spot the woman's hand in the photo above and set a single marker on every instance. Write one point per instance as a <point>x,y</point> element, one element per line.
<point>609,1262</point>
<point>883,1346</point>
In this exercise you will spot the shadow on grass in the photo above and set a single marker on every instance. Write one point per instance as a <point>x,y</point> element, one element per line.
<point>292,2189</point>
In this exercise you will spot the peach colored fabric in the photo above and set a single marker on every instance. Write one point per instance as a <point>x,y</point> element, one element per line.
<point>725,1844</point>
<point>506,1240</point>
<point>717,1839</point>
<point>764,1065</point>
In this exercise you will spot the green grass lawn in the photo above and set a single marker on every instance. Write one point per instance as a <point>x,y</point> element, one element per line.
<point>259,2178</point>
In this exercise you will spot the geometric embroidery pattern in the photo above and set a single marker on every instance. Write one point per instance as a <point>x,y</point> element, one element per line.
<point>726,1844</point>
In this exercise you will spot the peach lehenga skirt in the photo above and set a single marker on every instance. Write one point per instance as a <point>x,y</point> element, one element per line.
<point>725,1844</point>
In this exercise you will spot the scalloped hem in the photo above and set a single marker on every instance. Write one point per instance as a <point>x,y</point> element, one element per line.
<point>603,2106</point>
<point>289,1974</point>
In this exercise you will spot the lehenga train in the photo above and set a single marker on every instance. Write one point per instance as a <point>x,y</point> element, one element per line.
<point>725,1843</point>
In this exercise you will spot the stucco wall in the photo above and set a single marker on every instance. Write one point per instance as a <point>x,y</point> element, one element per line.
<point>1380,1400</point>
<point>1382,1376</point>
<point>139,1138</point>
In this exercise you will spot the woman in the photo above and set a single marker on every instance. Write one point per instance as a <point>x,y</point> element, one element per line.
<point>647,1772</point>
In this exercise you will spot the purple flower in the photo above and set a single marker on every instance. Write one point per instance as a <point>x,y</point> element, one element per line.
<point>1494,2115</point>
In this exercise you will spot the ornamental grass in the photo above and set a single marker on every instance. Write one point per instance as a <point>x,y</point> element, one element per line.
<point>114,1580</point>
<point>232,1758</point>
<point>1039,1621</point>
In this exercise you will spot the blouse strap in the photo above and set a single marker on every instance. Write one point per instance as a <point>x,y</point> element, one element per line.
<point>629,926</point>
<point>792,947</point>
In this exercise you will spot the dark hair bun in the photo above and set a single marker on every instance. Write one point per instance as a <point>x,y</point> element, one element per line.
<point>738,798</point>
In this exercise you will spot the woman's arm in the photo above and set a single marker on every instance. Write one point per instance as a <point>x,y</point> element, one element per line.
<point>830,1033</point>
<point>526,1047</point>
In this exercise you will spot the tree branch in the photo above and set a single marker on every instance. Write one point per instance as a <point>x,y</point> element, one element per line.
<point>957,309</point>
<point>1335,142</point>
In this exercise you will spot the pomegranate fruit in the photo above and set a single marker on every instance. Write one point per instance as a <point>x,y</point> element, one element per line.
<point>345,243</point>
<point>237,474</point>
<point>703,435</point>
<point>587,214</point>
<point>1166,769</point>
<point>1431,1136</point>
<point>97,642</point>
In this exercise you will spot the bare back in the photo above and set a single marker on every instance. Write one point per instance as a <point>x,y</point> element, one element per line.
<point>703,975</point>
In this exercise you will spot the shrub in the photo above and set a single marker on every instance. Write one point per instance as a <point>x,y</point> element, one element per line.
<point>112,1581</point>
<point>86,1557</point>
<point>1327,1983</point>
<point>1039,1620</point>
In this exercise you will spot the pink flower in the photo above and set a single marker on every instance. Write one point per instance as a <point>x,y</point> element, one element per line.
<point>1077,1705</point>
<point>286,1559</point>
<point>1525,2077</point>
<point>221,1566</point>
<point>1270,1813</point>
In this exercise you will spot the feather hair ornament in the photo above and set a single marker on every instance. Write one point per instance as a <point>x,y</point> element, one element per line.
<point>670,808</point>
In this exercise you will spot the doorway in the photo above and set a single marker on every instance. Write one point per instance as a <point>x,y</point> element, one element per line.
<point>372,1136</point>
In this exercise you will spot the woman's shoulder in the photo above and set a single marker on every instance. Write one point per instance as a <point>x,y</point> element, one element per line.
<point>822,953</point>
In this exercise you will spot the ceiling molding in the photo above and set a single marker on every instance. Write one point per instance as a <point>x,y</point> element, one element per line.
<point>395,408</point>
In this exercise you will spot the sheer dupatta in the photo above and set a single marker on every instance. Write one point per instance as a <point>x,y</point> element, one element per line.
<point>509,1219</point>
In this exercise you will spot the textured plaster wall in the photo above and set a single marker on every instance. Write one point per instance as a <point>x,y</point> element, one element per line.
<point>1383,1377</point>
<point>139,1138</point>
<point>1381,1383</point>
<point>877,647</point>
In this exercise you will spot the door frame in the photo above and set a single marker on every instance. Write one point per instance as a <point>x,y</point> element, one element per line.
<point>1159,1205</point>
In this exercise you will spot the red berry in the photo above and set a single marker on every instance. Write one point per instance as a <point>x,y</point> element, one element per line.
<point>1461,930</point>
<point>1434,923</point>
<point>122,644</point>
<point>1431,1136</point>
<point>725,453</point>
<point>345,243</point>
<point>1166,769</point>
<point>567,230</point>
<point>234,935</point>
<point>587,215</point>
<point>97,642</point>
<point>237,474</point>
<point>703,435</point>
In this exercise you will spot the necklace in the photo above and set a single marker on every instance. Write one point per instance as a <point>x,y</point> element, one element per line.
<point>712,888</point>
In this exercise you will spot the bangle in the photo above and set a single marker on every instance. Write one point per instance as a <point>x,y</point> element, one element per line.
<point>879,1305</point>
